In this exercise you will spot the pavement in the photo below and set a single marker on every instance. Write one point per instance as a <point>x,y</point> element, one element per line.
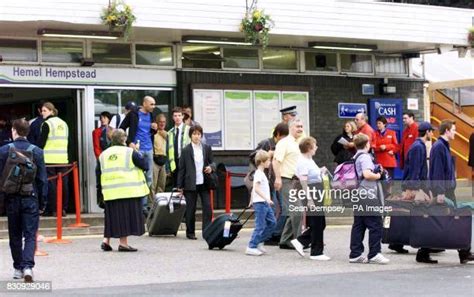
<point>169,266</point>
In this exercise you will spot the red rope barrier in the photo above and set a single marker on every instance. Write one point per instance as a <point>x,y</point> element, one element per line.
<point>228,192</point>
<point>59,213</point>
<point>75,175</point>
<point>211,198</point>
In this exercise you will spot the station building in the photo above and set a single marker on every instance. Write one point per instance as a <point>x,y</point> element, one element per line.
<point>321,54</point>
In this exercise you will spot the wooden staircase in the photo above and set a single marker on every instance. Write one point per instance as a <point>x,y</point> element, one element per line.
<point>442,107</point>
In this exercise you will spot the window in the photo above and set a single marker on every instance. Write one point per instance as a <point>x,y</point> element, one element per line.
<point>320,61</point>
<point>154,55</point>
<point>62,51</point>
<point>18,50</point>
<point>279,59</point>
<point>113,100</point>
<point>393,65</point>
<point>201,56</point>
<point>111,53</point>
<point>241,58</point>
<point>356,63</point>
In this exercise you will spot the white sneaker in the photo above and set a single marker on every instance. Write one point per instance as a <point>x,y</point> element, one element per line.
<point>253,252</point>
<point>261,248</point>
<point>360,259</point>
<point>379,259</point>
<point>298,247</point>
<point>17,274</point>
<point>28,273</point>
<point>320,258</point>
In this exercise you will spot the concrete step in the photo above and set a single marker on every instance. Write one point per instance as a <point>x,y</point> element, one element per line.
<point>96,222</point>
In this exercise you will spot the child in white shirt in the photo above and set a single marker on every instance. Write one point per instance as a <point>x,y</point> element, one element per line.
<point>265,220</point>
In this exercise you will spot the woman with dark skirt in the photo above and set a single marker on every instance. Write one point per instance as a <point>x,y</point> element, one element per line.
<point>344,150</point>
<point>123,185</point>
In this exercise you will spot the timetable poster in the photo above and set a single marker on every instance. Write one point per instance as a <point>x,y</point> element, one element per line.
<point>301,101</point>
<point>238,120</point>
<point>208,107</point>
<point>267,113</point>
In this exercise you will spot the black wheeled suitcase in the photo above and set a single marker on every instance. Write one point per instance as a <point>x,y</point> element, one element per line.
<point>440,227</point>
<point>166,214</point>
<point>396,224</point>
<point>223,230</point>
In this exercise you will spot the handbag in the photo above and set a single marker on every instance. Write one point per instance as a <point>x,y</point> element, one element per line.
<point>211,180</point>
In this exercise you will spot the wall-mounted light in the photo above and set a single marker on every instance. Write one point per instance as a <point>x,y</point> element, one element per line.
<point>343,46</point>
<point>214,40</point>
<point>87,62</point>
<point>79,34</point>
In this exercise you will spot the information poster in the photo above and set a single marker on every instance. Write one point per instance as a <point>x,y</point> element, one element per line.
<point>267,113</point>
<point>300,100</point>
<point>208,107</point>
<point>238,120</point>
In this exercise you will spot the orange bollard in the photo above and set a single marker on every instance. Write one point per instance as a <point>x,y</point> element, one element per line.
<point>75,175</point>
<point>59,213</point>
<point>227,191</point>
<point>211,198</point>
<point>39,252</point>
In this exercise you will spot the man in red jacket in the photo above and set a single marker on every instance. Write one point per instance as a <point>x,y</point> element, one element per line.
<point>410,134</point>
<point>363,127</point>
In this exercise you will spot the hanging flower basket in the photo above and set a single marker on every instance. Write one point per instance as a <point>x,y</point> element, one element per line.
<point>119,17</point>
<point>256,27</point>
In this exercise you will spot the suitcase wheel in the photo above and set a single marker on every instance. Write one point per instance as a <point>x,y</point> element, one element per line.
<point>210,247</point>
<point>176,234</point>
<point>221,247</point>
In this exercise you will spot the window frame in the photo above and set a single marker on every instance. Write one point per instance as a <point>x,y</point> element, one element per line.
<point>351,73</point>
<point>38,51</point>
<point>406,64</point>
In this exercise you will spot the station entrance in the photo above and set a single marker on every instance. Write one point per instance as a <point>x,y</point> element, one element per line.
<point>20,102</point>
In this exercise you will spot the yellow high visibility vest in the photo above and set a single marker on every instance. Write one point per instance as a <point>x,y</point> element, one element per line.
<point>185,141</point>
<point>120,178</point>
<point>55,150</point>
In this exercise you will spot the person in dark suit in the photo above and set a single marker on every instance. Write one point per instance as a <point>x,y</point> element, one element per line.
<point>195,164</point>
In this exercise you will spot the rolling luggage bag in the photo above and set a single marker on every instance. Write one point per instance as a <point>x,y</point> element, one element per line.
<point>396,224</point>
<point>166,214</point>
<point>223,230</point>
<point>440,227</point>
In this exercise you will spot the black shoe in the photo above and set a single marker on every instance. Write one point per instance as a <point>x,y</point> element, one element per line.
<point>48,214</point>
<point>191,236</point>
<point>466,258</point>
<point>286,247</point>
<point>425,259</point>
<point>398,248</point>
<point>105,247</point>
<point>122,248</point>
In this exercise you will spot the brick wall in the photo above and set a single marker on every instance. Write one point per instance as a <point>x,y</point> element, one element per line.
<point>325,93</point>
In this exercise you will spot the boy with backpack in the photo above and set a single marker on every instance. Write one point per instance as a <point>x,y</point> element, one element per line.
<point>262,203</point>
<point>368,174</point>
<point>23,182</point>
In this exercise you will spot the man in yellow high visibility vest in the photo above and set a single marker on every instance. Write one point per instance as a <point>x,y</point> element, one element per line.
<point>178,137</point>
<point>54,142</point>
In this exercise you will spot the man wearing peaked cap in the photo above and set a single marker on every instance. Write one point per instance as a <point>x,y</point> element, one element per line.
<point>288,113</point>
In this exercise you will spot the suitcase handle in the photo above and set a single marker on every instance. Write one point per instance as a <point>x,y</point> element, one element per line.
<point>242,213</point>
<point>170,205</point>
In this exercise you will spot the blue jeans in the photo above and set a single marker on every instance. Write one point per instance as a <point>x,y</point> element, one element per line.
<point>148,155</point>
<point>264,223</point>
<point>361,223</point>
<point>23,220</point>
